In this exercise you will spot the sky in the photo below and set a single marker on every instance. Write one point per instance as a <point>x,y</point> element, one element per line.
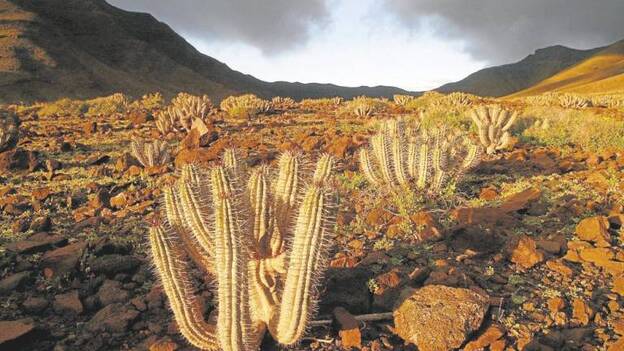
<point>413,44</point>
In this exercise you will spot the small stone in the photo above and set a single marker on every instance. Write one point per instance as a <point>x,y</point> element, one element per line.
<point>439,318</point>
<point>594,229</point>
<point>523,252</point>
<point>111,292</point>
<point>114,318</point>
<point>63,260</point>
<point>35,304</point>
<point>68,303</point>
<point>489,336</point>
<point>12,330</point>
<point>113,264</point>
<point>14,282</point>
<point>581,311</point>
<point>348,329</point>
<point>618,285</point>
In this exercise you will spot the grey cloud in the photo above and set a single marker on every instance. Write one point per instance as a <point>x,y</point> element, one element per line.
<point>503,30</point>
<point>270,25</point>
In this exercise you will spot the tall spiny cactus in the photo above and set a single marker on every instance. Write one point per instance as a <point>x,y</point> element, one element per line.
<point>166,120</point>
<point>493,123</point>
<point>400,156</point>
<point>151,154</point>
<point>266,266</point>
<point>9,131</point>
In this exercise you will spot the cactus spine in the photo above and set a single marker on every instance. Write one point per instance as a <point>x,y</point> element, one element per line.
<point>493,124</point>
<point>240,234</point>
<point>399,156</point>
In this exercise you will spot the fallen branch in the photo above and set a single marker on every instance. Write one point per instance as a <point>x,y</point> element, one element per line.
<point>362,318</point>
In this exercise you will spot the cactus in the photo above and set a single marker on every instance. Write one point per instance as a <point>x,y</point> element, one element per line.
<point>166,120</point>
<point>493,123</point>
<point>9,131</point>
<point>573,101</point>
<point>321,104</point>
<point>402,100</point>
<point>363,106</point>
<point>399,155</point>
<point>282,103</point>
<point>151,154</point>
<point>236,225</point>
<point>188,107</point>
<point>245,106</point>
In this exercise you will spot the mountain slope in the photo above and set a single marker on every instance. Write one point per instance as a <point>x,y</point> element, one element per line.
<point>507,79</point>
<point>84,48</point>
<point>603,72</point>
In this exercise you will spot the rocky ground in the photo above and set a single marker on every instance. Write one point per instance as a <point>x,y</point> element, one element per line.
<point>526,256</point>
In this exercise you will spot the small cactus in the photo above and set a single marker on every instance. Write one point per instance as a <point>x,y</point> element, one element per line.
<point>245,106</point>
<point>399,155</point>
<point>493,124</point>
<point>402,100</point>
<point>236,225</point>
<point>166,120</point>
<point>151,154</point>
<point>283,103</point>
<point>188,107</point>
<point>363,106</point>
<point>9,130</point>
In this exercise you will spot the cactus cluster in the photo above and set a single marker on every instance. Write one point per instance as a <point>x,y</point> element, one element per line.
<point>245,106</point>
<point>493,124</point>
<point>9,130</point>
<point>607,101</point>
<point>321,104</point>
<point>573,101</point>
<point>282,103</point>
<point>183,111</point>
<point>458,99</point>
<point>261,235</point>
<point>402,100</point>
<point>151,154</point>
<point>400,155</point>
<point>363,106</point>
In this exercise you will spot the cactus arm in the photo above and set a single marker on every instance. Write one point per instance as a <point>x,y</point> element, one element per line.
<point>305,264</point>
<point>231,262</point>
<point>424,164</point>
<point>196,213</point>
<point>285,189</point>
<point>173,271</point>
<point>367,168</point>
<point>398,154</point>
<point>324,168</point>
<point>510,122</point>
<point>380,148</point>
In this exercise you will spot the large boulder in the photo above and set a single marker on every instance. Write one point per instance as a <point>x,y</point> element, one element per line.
<point>437,317</point>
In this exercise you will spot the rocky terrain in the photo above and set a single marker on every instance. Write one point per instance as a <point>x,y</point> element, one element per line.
<point>525,254</point>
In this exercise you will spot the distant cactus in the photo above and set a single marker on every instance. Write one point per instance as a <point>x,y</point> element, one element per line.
<point>245,106</point>
<point>237,225</point>
<point>283,103</point>
<point>149,102</point>
<point>573,101</point>
<point>363,106</point>
<point>399,155</point>
<point>188,107</point>
<point>108,105</point>
<point>151,154</point>
<point>9,130</point>
<point>460,99</point>
<point>403,100</point>
<point>607,101</point>
<point>493,124</point>
<point>321,104</point>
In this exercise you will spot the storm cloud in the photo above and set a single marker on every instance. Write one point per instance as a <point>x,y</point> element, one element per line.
<point>269,25</point>
<point>500,31</point>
